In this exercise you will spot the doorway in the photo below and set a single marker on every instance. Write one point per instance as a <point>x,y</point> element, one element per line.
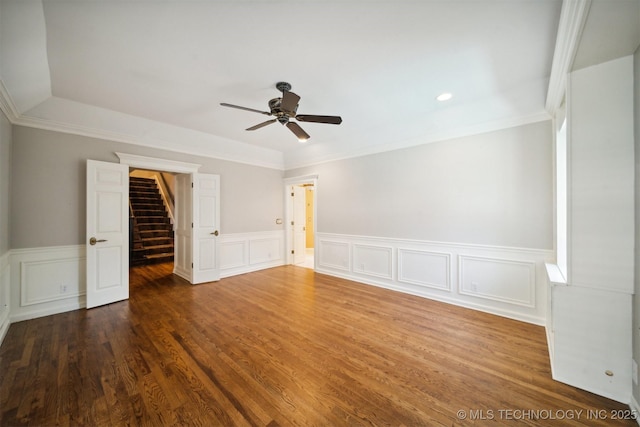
<point>152,222</point>
<point>301,211</point>
<point>197,216</point>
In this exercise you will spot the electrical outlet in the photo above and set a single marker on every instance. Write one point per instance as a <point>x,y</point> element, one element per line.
<point>63,289</point>
<point>634,371</point>
<point>474,286</point>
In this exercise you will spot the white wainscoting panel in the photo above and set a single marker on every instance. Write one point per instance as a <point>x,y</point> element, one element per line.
<point>47,281</point>
<point>245,252</point>
<point>232,253</point>
<point>51,280</point>
<point>373,260</point>
<point>498,279</point>
<point>265,250</point>
<point>506,281</point>
<point>5,294</point>
<point>424,268</point>
<point>333,254</point>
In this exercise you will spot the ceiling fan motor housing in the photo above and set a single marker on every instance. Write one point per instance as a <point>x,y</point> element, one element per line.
<point>275,105</point>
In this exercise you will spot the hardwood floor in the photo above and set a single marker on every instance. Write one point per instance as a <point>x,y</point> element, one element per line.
<point>280,347</point>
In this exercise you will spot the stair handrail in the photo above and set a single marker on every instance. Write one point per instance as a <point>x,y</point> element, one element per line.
<point>163,192</point>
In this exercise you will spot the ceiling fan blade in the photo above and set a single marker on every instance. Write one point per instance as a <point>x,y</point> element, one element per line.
<point>289,101</point>
<point>263,124</point>
<point>297,130</point>
<point>334,120</point>
<point>224,104</point>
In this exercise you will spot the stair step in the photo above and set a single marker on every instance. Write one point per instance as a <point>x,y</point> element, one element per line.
<point>155,247</point>
<point>143,187</point>
<point>141,181</point>
<point>152,241</point>
<point>143,199</point>
<point>143,206</point>
<point>149,212</point>
<point>145,231</point>
<point>153,231</point>
<point>160,255</point>
<point>158,249</point>
<point>152,220</point>
<point>154,227</point>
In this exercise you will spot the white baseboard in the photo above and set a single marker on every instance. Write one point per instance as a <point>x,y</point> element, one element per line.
<point>5,295</point>
<point>509,282</point>
<point>635,408</point>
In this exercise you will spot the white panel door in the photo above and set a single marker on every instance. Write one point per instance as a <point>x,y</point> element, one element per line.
<point>206,226</point>
<point>183,230</point>
<point>299,221</point>
<point>107,233</point>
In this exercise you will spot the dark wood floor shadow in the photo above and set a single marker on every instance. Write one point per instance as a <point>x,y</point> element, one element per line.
<point>283,347</point>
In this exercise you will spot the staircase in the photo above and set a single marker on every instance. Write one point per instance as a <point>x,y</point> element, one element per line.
<point>152,232</point>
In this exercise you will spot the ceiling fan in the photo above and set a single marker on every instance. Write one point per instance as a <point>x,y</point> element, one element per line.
<point>284,109</point>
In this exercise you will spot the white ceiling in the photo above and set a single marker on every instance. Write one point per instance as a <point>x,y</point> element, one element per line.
<point>153,72</point>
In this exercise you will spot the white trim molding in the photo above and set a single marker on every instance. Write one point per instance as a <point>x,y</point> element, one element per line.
<point>572,19</point>
<point>424,268</point>
<point>506,281</point>
<point>5,295</point>
<point>634,406</point>
<point>152,163</point>
<point>7,105</point>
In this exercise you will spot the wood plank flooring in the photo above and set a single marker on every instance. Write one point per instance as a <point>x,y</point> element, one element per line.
<point>283,347</point>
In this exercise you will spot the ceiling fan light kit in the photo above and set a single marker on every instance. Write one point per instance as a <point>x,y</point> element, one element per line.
<point>284,109</point>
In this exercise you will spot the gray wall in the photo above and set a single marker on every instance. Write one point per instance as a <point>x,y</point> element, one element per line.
<point>5,173</point>
<point>48,187</point>
<point>493,189</point>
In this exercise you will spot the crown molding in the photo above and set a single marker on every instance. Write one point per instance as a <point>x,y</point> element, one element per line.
<point>572,19</point>
<point>7,105</point>
<point>47,124</point>
<point>301,161</point>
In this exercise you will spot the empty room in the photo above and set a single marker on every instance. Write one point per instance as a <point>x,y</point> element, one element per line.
<point>353,212</point>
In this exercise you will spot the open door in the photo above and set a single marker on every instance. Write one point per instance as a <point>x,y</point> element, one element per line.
<point>299,224</point>
<point>107,237</point>
<point>206,226</point>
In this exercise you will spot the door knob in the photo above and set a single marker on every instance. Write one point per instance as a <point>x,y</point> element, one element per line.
<point>93,241</point>
<point>215,233</point>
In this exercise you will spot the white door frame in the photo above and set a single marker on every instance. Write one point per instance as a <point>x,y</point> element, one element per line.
<point>288,213</point>
<point>152,163</point>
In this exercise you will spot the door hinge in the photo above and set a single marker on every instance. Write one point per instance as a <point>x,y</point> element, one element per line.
<point>191,225</point>
<point>192,185</point>
<point>191,265</point>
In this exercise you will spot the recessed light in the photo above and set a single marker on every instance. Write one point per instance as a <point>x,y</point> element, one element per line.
<point>444,96</point>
